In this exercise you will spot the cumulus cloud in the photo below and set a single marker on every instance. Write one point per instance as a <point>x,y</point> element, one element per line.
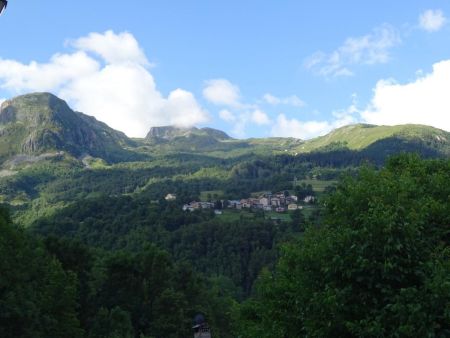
<point>285,127</point>
<point>106,46</point>
<point>61,68</point>
<point>370,49</point>
<point>222,92</point>
<point>423,101</point>
<point>241,119</point>
<point>292,100</point>
<point>432,20</point>
<point>107,76</point>
<point>227,115</point>
<point>260,118</point>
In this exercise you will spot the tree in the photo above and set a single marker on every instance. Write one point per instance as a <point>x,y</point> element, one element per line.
<point>298,220</point>
<point>37,297</point>
<point>380,267</point>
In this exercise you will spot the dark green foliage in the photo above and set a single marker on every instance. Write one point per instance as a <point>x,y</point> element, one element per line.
<point>112,324</point>
<point>65,289</point>
<point>37,297</point>
<point>237,250</point>
<point>379,268</point>
<point>304,190</point>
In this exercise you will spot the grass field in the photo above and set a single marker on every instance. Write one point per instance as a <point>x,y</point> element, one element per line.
<point>318,185</point>
<point>233,215</point>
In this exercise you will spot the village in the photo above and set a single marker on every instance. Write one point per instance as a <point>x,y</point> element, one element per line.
<point>279,202</point>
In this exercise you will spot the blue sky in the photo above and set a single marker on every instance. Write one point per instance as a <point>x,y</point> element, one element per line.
<point>251,68</point>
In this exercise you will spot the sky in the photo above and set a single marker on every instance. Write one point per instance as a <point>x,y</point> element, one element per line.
<point>252,68</point>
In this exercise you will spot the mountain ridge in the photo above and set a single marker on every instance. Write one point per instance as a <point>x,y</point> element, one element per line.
<point>170,132</point>
<point>359,136</point>
<point>38,123</point>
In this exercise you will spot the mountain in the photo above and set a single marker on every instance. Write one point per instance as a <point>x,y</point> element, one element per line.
<point>38,126</point>
<point>387,139</point>
<point>192,139</point>
<point>39,123</point>
<point>169,133</point>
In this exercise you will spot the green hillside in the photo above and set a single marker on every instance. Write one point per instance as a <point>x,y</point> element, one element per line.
<point>361,136</point>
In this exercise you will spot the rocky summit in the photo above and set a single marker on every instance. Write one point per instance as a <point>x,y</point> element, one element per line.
<point>41,122</point>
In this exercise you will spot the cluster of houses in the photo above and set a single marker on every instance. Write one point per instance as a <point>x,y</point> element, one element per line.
<point>198,205</point>
<point>278,202</point>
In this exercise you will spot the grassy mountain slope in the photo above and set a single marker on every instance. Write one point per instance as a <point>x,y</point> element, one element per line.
<point>169,133</point>
<point>361,136</point>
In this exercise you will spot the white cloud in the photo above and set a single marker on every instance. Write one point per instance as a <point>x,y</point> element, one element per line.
<point>370,49</point>
<point>107,77</point>
<point>227,115</point>
<point>181,108</point>
<point>423,101</point>
<point>285,127</point>
<point>292,100</point>
<point>61,68</point>
<point>222,92</point>
<point>432,20</point>
<point>106,46</point>
<point>260,118</point>
<point>243,118</point>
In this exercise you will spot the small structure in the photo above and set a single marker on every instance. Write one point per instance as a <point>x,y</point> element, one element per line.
<point>170,197</point>
<point>246,203</point>
<point>264,201</point>
<point>292,206</point>
<point>309,199</point>
<point>275,202</point>
<point>201,327</point>
<point>188,207</point>
<point>292,198</point>
<point>234,205</point>
<point>267,208</point>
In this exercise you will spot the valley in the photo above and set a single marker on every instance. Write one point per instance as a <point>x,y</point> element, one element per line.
<point>214,215</point>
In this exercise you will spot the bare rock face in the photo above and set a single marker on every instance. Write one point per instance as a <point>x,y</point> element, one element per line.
<point>36,123</point>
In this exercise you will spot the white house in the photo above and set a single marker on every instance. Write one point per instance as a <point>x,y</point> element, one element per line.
<point>171,197</point>
<point>309,199</point>
<point>264,201</point>
<point>275,202</point>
